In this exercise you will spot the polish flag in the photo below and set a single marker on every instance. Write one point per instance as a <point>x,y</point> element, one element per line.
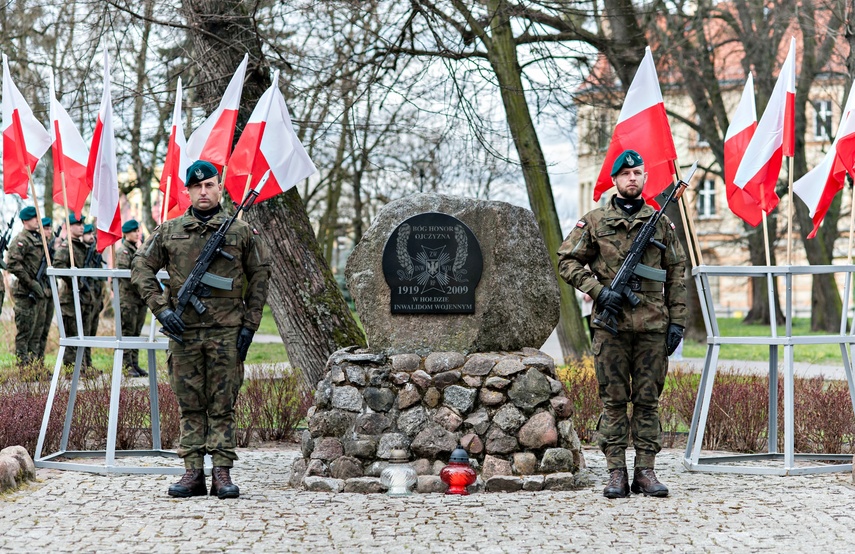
<point>176,164</point>
<point>268,142</point>
<point>738,136</point>
<point>846,139</point>
<point>70,156</point>
<point>102,171</point>
<point>212,140</point>
<point>25,140</point>
<point>642,126</point>
<point>774,138</point>
<point>818,187</point>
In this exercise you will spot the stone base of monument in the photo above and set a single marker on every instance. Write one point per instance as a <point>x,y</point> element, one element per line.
<point>507,409</point>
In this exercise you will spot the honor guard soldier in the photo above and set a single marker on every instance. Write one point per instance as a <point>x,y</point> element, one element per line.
<point>53,243</point>
<point>25,257</point>
<point>209,343</point>
<point>631,359</point>
<point>88,300</point>
<point>131,304</point>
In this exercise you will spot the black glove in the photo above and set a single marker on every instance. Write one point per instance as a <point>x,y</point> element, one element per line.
<point>171,322</point>
<point>37,289</point>
<point>673,337</point>
<point>610,300</point>
<point>243,342</point>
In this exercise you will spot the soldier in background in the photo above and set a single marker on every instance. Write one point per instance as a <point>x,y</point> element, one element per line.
<point>66,295</point>
<point>53,242</point>
<point>131,304</point>
<point>95,285</point>
<point>206,368</point>
<point>631,366</point>
<point>23,261</point>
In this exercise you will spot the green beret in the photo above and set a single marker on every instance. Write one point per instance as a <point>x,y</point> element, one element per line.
<point>88,228</point>
<point>47,222</point>
<point>73,219</point>
<point>627,158</point>
<point>130,225</point>
<point>28,213</point>
<point>199,171</point>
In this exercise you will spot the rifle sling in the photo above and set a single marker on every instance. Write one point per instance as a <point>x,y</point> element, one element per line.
<point>218,293</point>
<point>645,286</point>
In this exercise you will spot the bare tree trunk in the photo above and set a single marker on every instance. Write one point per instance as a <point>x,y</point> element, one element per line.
<point>502,51</point>
<point>310,312</point>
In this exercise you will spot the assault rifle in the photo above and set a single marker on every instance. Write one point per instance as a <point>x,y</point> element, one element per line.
<point>632,268</point>
<point>199,281</point>
<point>4,242</point>
<point>93,259</point>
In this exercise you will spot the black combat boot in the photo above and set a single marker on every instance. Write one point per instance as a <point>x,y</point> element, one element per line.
<point>644,481</point>
<point>140,372</point>
<point>192,483</point>
<point>221,484</point>
<point>618,486</point>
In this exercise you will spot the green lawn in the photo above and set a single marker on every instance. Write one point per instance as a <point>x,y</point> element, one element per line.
<point>733,327</point>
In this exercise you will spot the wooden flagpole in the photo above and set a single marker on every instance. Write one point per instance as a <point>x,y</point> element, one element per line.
<point>851,227</point>
<point>38,211</point>
<point>695,254</point>
<point>790,217</point>
<point>165,209</point>
<point>67,218</point>
<point>245,190</point>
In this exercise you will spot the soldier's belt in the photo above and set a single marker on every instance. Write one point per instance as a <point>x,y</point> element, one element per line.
<point>642,285</point>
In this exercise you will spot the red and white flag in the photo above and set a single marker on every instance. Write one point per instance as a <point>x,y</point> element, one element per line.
<point>268,142</point>
<point>845,139</point>
<point>642,126</point>
<point>212,140</point>
<point>736,139</point>
<point>70,156</point>
<point>818,187</point>
<point>25,140</point>
<point>774,138</point>
<point>176,164</point>
<point>102,171</point>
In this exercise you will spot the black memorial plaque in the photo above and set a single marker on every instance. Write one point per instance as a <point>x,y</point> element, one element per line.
<point>432,263</point>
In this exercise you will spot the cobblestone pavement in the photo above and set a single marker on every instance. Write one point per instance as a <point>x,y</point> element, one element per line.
<point>80,512</point>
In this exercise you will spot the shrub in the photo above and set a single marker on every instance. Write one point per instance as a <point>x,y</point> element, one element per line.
<point>270,405</point>
<point>580,380</point>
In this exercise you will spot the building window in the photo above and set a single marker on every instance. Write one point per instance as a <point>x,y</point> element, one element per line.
<point>604,132</point>
<point>822,120</point>
<point>706,198</point>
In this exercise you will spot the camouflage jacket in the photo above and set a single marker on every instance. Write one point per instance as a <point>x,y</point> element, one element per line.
<point>594,250</point>
<point>177,243</point>
<point>128,294</point>
<point>23,260</point>
<point>90,288</point>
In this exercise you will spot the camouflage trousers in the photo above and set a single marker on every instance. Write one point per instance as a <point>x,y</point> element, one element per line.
<point>206,375</point>
<point>90,314</point>
<point>631,368</point>
<point>30,315</point>
<point>133,319</point>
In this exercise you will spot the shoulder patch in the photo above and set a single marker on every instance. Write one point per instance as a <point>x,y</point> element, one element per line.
<point>671,223</point>
<point>20,244</point>
<point>581,223</point>
<point>255,231</point>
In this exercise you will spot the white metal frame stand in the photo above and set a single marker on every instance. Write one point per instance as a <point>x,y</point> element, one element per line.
<point>693,460</point>
<point>119,344</point>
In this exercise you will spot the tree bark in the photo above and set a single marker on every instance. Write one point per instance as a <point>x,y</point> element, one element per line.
<point>310,312</point>
<point>502,52</point>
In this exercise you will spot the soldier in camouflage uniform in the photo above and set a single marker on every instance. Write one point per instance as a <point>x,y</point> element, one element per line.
<point>206,370</point>
<point>90,298</point>
<point>53,243</point>
<point>631,366</point>
<point>24,258</point>
<point>131,305</point>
